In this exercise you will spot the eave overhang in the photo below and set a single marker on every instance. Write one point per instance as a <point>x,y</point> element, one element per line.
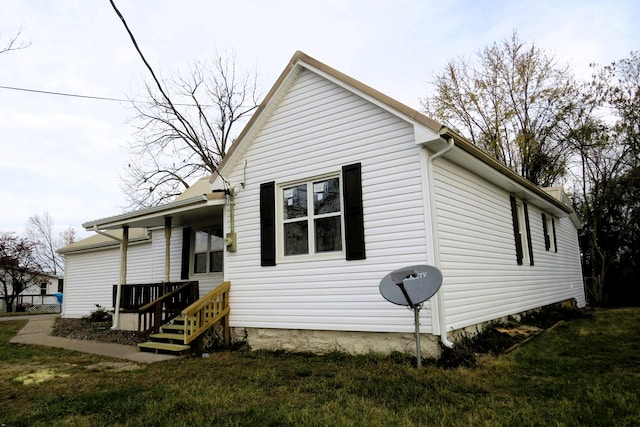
<point>179,210</point>
<point>467,155</point>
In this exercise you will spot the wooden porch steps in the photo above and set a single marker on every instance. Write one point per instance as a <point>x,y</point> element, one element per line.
<point>167,337</point>
<point>186,332</point>
<point>171,327</point>
<point>170,340</point>
<point>158,347</point>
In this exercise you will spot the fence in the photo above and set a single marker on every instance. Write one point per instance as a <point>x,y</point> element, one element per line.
<point>48,303</point>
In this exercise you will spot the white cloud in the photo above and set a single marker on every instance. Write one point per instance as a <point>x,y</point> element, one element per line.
<point>64,155</point>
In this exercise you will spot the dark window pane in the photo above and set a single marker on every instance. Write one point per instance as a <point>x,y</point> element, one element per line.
<point>200,263</point>
<point>326,196</point>
<point>294,201</point>
<point>215,261</point>
<point>296,239</point>
<point>328,234</point>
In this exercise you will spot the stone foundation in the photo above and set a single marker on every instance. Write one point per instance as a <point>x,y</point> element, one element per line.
<point>321,342</point>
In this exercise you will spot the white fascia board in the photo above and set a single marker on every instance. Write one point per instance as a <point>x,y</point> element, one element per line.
<point>131,218</point>
<point>103,245</point>
<point>424,136</point>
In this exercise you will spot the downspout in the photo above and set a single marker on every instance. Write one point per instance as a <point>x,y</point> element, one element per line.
<point>124,242</point>
<point>436,246</point>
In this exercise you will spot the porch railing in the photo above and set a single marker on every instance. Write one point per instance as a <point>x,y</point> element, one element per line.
<point>205,312</point>
<point>47,303</point>
<point>135,296</point>
<point>161,310</point>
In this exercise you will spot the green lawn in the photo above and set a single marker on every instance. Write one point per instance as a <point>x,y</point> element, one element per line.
<point>583,372</point>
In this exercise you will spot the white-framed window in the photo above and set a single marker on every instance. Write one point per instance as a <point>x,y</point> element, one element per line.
<point>310,218</point>
<point>208,251</point>
<point>521,231</point>
<point>549,230</point>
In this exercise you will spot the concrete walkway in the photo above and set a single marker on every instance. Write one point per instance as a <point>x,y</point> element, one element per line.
<point>38,332</point>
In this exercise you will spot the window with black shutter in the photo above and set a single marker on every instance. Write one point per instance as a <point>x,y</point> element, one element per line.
<point>549,230</point>
<point>311,218</point>
<point>521,230</point>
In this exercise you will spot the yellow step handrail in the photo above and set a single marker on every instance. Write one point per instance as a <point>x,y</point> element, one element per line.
<point>208,310</point>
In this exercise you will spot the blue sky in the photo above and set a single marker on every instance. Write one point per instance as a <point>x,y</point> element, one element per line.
<point>65,155</point>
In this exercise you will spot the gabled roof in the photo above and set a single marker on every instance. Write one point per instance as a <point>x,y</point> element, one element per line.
<point>433,135</point>
<point>107,239</point>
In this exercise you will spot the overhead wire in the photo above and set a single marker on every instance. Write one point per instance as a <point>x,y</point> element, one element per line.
<point>99,98</point>
<point>46,92</point>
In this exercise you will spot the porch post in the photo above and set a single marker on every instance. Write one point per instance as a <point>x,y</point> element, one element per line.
<point>124,245</point>
<point>167,249</point>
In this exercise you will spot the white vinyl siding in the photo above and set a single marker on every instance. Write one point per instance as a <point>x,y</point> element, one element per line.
<point>316,129</point>
<point>90,275</point>
<point>481,278</point>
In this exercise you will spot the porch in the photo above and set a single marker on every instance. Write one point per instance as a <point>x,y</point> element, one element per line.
<point>173,316</point>
<point>43,303</point>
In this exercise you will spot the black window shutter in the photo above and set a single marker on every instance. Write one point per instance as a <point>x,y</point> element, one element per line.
<point>555,240</point>
<point>353,212</point>
<point>516,229</point>
<point>186,253</point>
<point>529,243</point>
<point>545,232</point>
<point>268,224</point>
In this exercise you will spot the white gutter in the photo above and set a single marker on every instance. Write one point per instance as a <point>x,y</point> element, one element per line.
<point>436,245</point>
<point>153,212</point>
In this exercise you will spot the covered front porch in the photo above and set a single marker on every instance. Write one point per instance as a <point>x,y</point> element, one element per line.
<point>187,244</point>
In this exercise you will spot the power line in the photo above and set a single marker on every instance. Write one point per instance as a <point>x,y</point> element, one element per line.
<point>46,92</point>
<point>98,98</point>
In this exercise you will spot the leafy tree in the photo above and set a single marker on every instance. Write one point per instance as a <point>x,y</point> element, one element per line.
<point>514,103</point>
<point>19,267</point>
<point>185,126</point>
<point>608,197</point>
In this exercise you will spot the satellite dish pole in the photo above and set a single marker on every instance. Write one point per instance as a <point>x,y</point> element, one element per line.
<point>399,277</point>
<point>411,286</point>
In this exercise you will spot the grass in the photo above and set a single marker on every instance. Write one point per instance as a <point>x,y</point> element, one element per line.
<point>585,371</point>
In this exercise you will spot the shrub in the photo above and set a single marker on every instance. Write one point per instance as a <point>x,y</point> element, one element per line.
<point>100,314</point>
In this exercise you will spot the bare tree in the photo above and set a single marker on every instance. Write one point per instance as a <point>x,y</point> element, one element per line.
<point>19,268</point>
<point>14,43</point>
<point>186,125</point>
<point>513,103</point>
<point>68,236</point>
<point>45,243</point>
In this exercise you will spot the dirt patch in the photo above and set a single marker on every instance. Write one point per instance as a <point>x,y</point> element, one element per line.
<point>504,337</point>
<point>83,329</point>
<point>521,331</point>
<point>40,376</point>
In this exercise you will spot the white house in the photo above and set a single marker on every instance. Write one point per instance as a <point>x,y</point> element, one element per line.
<point>330,186</point>
<point>40,296</point>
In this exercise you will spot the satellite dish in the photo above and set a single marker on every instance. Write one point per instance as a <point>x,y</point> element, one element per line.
<point>411,285</point>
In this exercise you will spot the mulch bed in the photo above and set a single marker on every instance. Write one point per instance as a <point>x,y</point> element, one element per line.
<point>83,329</point>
